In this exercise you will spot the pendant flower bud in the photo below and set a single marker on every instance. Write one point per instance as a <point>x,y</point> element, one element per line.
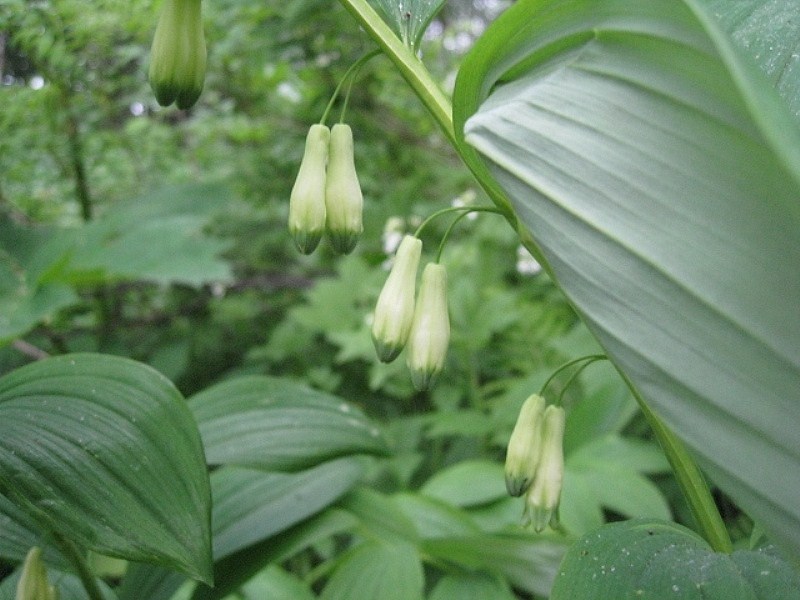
<point>524,447</point>
<point>430,330</point>
<point>178,55</point>
<point>343,200</point>
<point>394,312</point>
<point>307,200</point>
<point>33,584</point>
<point>543,496</point>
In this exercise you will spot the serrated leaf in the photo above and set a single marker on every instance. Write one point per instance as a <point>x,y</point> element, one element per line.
<point>272,423</point>
<point>659,174</point>
<point>156,237</point>
<point>657,559</point>
<point>85,438</point>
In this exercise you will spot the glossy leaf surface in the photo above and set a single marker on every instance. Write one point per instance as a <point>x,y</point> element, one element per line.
<point>86,438</point>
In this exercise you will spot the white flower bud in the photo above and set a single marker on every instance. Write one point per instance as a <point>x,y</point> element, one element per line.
<point>343,200</point>
<point>394,312</point>
<point>524,446</point>
<point>178,55</point>
<point>545,493</point>
<point>307,201</point>
<point>430,330</point>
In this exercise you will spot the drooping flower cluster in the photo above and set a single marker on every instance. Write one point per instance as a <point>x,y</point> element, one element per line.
<point>178,55</point>
<point>326,196</point>
<point>535,460</point>
<point>422,326</point>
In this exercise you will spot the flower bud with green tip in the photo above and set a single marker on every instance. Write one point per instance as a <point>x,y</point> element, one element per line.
<point>543,496</point>
<point>524,447</point>
<point>343,199</point>
<point>307,201</point>
<point>430,330</point>
<point>394,311</point>
<point>33,584</point>
<point>178,55</point>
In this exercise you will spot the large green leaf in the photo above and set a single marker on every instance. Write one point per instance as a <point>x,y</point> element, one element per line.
<point>528,561</point>
<point>272,423</point>
<point>658,173</point>
<point>104,450</point>
<point>656,559</point>
<point>377,570</point>
<point>250,506</point>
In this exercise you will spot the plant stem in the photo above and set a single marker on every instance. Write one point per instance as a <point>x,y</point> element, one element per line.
<point>690,479</point>
<point>410,67</point>
<point>352,70</point>
<point>78,560</point>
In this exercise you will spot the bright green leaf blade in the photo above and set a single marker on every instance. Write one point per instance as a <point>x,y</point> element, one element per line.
<point>271,423</point>
<point>250,506</point>
<point>87,438</point>
<point>471,586</point>
<point>768,31</point>
<point>434,518</point>
<point>19,533</point>
<point>528,561</point>
<point>157,237</point>
<point>467,483</point>
<point>230,573</point>
<point>377,571</point>
<point>379,515</point>
<point>668,215</point>
<point>657,559</point>
<point>276,584</point>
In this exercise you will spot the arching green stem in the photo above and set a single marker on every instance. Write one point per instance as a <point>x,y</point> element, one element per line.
<point>350,71</point>
<point>560,400</point>
<point>567,365</point>
<point>486,209</point>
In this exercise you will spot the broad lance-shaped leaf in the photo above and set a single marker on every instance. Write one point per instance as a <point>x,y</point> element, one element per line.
<point>272,423</point>
<point>104,450</point>
<point>658,173</point>
<point>657,559</point>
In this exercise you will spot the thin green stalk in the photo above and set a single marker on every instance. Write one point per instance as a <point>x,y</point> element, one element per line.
<point>487,209</point>
<point>567,365</point>
<point>78,560</point>
<point>690,479</point>
<point>410,67</point>
<point>353,68</point>
<point>560,400</point>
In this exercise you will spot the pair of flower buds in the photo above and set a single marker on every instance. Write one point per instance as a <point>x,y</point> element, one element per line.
<point>326,196</point>
<point>535,460</point>
<point>178,55</point>
<point>421,326</point>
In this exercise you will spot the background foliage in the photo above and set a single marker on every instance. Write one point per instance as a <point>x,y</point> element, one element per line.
<point>159,235</point>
